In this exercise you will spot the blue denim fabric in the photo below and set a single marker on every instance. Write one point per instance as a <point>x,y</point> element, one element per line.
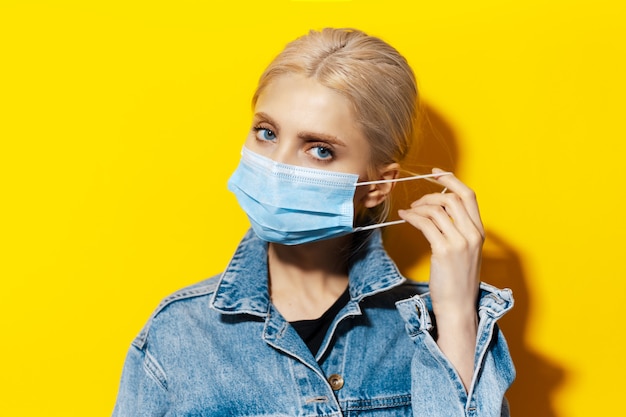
<point>220,348</point>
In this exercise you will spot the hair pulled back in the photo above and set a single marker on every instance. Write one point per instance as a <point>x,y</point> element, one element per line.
<point>375,78</point>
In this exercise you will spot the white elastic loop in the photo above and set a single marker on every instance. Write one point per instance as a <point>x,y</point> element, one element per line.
<point>416,177</point>
<point>377,225</point>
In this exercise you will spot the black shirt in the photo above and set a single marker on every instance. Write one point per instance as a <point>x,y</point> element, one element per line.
<point>314,331</point>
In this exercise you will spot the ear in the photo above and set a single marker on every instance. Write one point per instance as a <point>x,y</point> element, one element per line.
<point>377,193</point>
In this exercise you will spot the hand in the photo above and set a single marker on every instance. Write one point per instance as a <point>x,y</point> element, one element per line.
<point>451,224</point>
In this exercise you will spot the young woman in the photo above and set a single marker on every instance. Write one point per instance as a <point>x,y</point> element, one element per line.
<point>311,317</point>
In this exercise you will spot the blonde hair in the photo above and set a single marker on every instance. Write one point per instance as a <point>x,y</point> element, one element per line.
<point>375,78</point>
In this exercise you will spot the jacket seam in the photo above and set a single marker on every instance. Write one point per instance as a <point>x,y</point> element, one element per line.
<point>393,401</point>
<point>154,370</point>
<point>202,289</point>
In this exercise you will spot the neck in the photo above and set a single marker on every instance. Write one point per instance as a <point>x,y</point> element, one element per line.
<point>305,280</point>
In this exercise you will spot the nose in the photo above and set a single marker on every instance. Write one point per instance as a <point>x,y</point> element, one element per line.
<point>284,152</point>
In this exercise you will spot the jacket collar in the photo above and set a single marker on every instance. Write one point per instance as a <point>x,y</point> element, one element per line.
<point>243,287</point>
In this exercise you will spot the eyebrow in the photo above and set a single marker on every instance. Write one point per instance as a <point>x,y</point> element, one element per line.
<point>305,135</point>
<point>321,137</point>
<point>260,116</point>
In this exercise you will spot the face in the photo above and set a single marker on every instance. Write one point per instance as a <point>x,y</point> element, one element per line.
<point>298,121</point>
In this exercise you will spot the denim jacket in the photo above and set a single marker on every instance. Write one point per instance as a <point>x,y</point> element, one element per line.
<point>220,348</point>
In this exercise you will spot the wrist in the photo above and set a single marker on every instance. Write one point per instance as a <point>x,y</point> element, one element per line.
<point>456,323</point>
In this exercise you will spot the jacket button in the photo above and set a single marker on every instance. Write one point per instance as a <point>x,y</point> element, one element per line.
<point>335,381</point>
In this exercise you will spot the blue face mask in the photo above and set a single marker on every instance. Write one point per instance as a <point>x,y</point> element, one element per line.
<point>291,205</point>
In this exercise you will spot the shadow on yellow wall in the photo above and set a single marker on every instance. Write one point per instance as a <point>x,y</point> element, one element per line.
<point>538,377</point>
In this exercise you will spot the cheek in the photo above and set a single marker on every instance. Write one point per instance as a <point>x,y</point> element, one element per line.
<point>253,144</point>
<point>250,141</point>
<point>366,173</point>
<point>359,197</point>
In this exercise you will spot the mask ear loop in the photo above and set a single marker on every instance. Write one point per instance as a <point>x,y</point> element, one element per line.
<point>416,177</point>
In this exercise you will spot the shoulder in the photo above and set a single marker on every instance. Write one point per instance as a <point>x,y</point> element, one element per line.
<point>186,298</point>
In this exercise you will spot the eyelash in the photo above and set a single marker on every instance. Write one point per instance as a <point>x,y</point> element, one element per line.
<point>261,127</point>
<point>311,146</point>
<point>322,146</point>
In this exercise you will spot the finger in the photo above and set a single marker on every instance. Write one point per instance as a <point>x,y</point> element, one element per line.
<point>436,216</point>
<point>456,209</point>
<point>468,196</point>
<point>430,231</point>
<point>441,218</point>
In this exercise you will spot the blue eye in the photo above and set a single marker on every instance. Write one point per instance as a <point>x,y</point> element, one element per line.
<point>322,152</point>
<point>265,134</point>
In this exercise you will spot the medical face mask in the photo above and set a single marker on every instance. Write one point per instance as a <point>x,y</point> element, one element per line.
<point>291,205</point>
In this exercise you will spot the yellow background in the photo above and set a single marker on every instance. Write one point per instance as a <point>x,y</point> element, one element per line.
<point>121,121</point>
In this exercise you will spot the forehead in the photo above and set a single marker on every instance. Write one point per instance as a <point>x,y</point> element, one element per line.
<point>297,102</point>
